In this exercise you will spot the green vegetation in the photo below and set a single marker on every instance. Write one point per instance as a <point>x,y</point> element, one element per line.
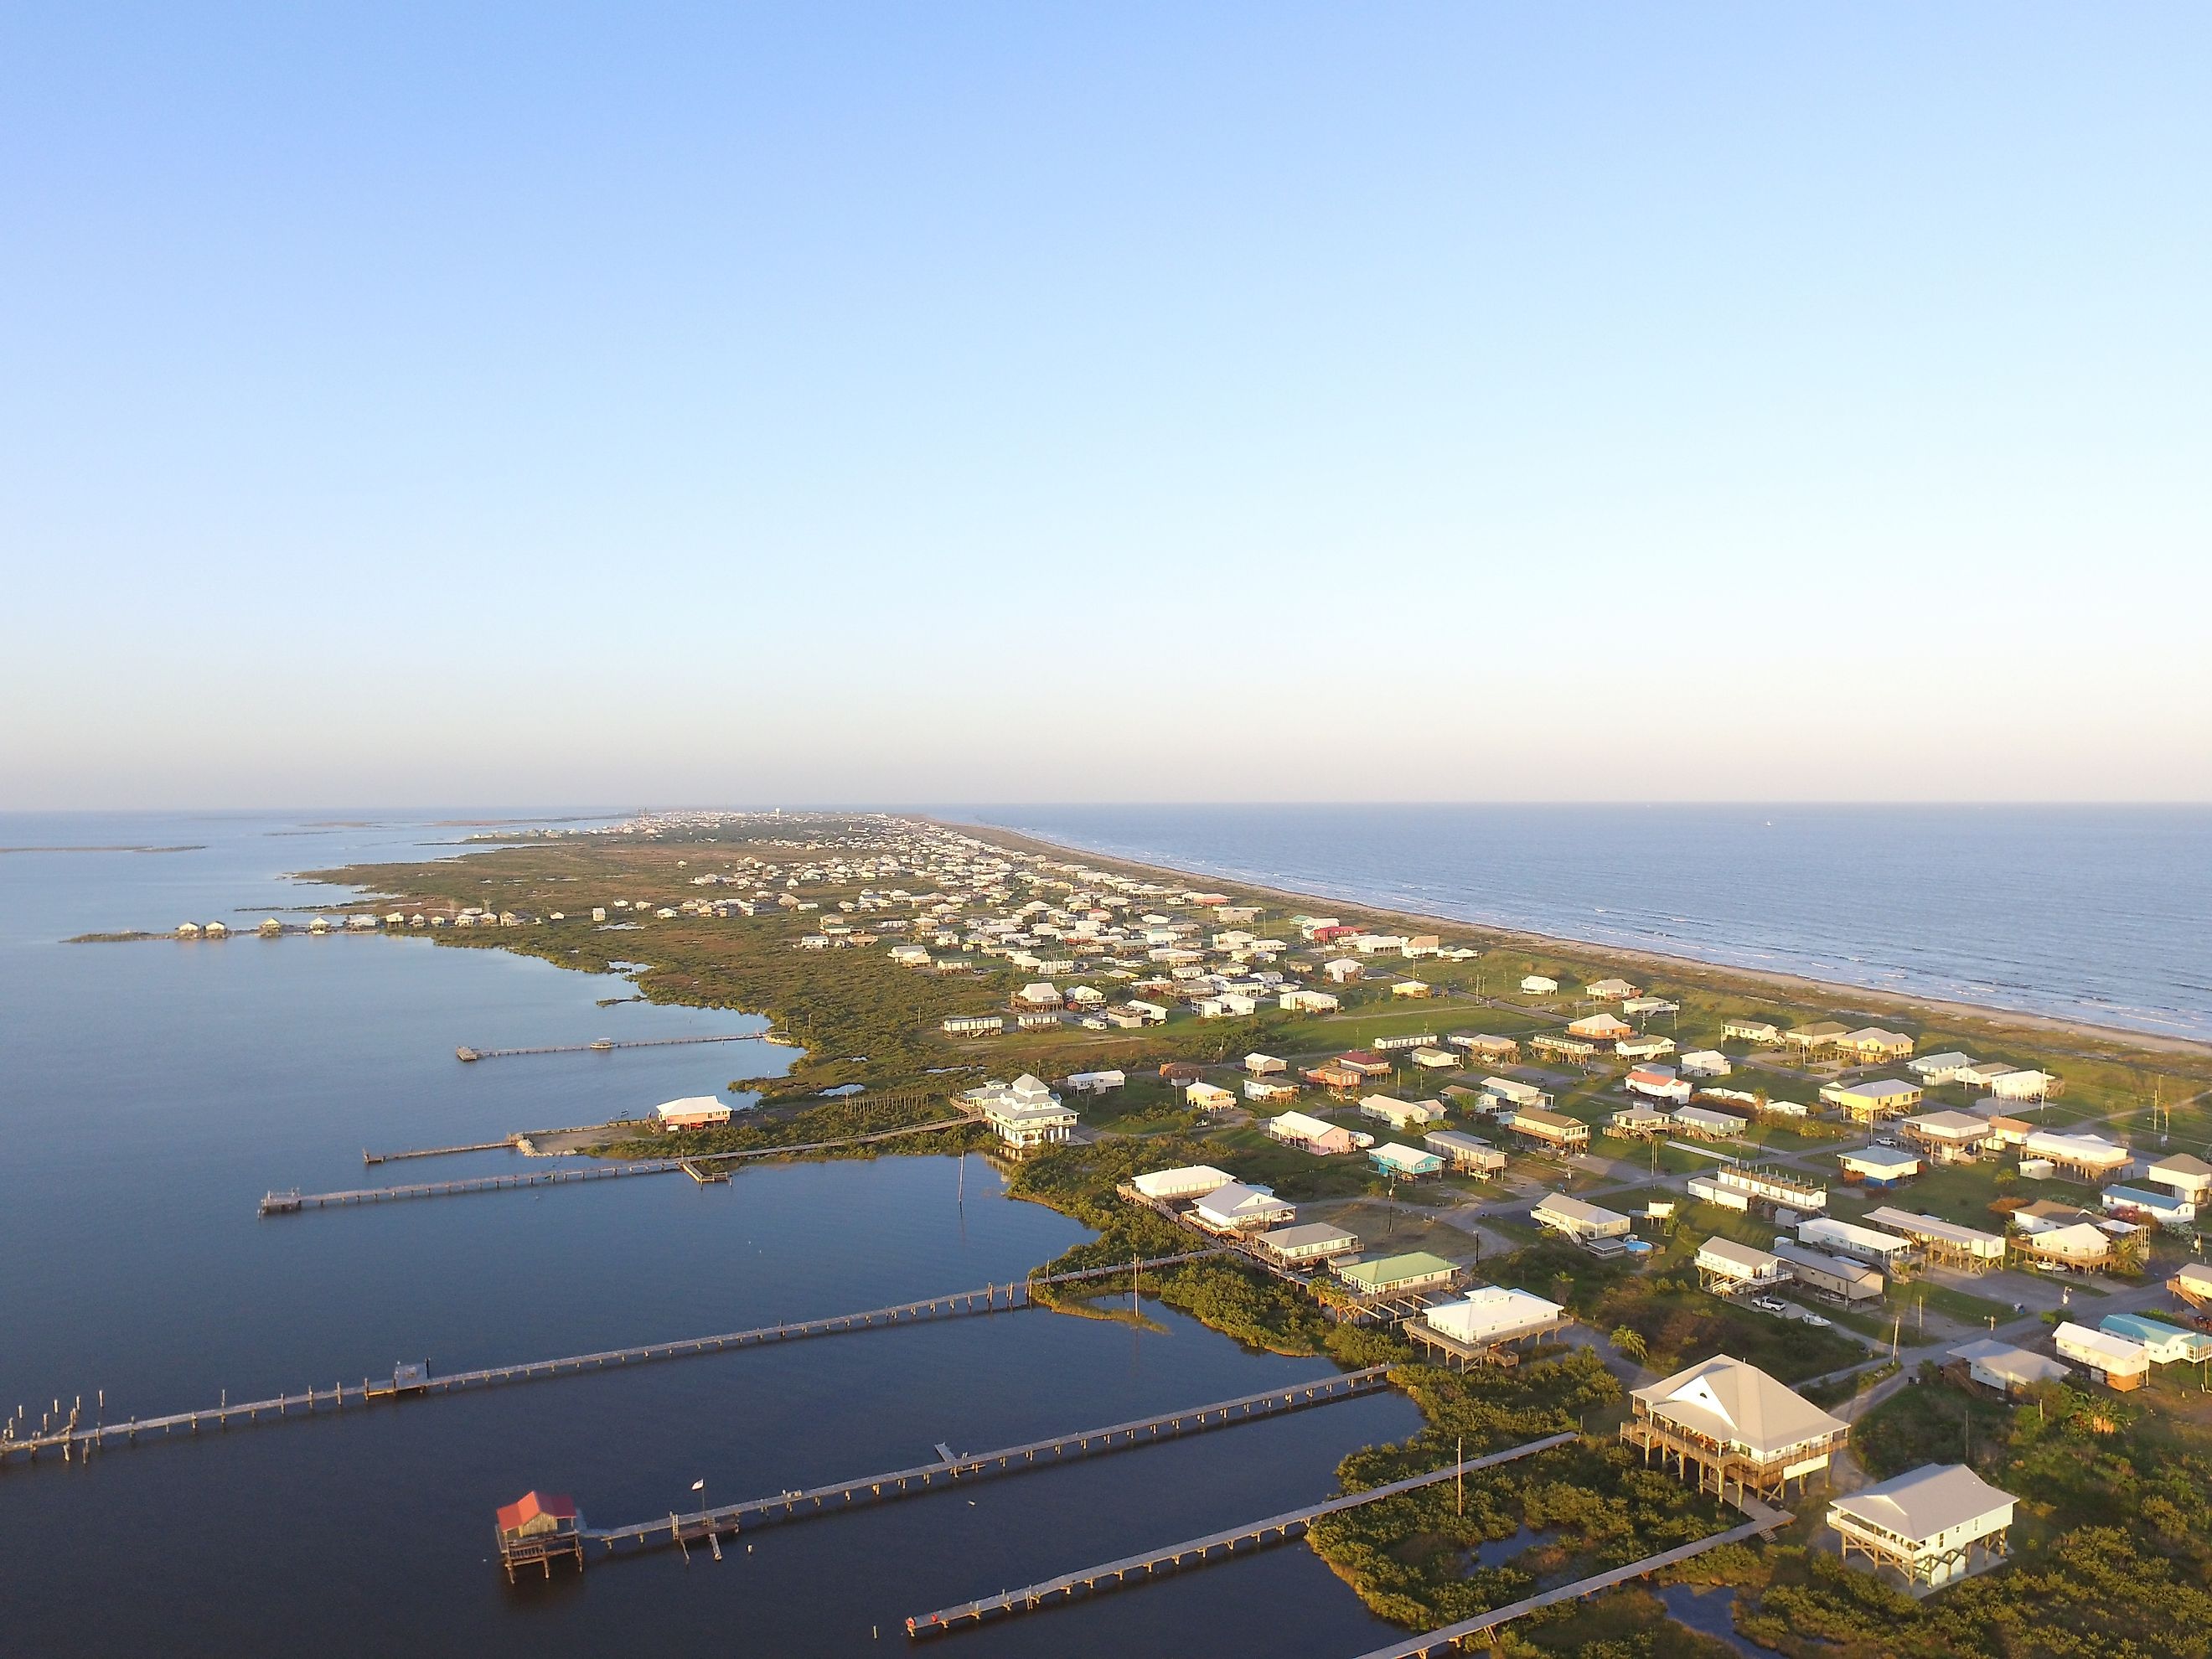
<point>836,1119</point>
<point>2116,1507</point>
<point>2114,1542</point>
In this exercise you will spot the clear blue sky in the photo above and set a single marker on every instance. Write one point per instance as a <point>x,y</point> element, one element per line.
<point>947,402</point>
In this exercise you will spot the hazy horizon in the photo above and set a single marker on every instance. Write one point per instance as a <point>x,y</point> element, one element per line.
<point>1165,403</point>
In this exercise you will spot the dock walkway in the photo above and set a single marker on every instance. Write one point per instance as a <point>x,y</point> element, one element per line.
<point>1085,1443</point>
<point>293,1201</point>
<point>1274,1528</point>
<point>1448,1639</point>
<point>501,1146</point>
<point>603,1045</point>
<point>73,1439</point>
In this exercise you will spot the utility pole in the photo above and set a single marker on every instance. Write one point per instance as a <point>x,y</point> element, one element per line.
<point>1460,1479</point>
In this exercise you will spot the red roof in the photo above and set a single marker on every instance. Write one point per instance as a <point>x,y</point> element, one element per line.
<point>532,1505</point>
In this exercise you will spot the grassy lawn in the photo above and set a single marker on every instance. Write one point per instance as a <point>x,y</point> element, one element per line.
<point>1959,1305</point>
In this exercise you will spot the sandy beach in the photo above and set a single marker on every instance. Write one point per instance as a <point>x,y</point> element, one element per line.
<point>2112,1041</point>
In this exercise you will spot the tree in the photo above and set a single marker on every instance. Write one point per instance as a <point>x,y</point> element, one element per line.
<point>1631,1343</point>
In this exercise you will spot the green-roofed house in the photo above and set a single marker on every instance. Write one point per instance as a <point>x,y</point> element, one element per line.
<point>1398,1275</point>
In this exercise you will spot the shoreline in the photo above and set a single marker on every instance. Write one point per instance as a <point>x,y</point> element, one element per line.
<point>1875,1002</point>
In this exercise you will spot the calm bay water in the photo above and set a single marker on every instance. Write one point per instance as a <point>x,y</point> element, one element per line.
<point>150,1092</point>
<point>2098,913</point>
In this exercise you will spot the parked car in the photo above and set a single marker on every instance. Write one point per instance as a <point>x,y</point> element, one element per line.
<point>1774,1304</point>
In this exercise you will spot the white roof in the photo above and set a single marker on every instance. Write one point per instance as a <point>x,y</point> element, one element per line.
<point>1575,1209</point>
<point>2076,1149</point>
<point>1738,1404</point>
<point>2080,1239</point>
<point>1827,1229</point>
<point>694,1106</point>
<point>1948,1124</point>
<point>1740,1255</point>
<point>1881,1157</point>
<point>1929,1226</point>
<point>1238,1202</point>
<point>1493,1313</point>
<point>1185,1181</point>
<point>1307,1235</point>
<point>2102,1348</point>
<point>1300,1126</point>
<point>1407,1158</point>
<point>2014,1365</point>
<point>1926,1501</point>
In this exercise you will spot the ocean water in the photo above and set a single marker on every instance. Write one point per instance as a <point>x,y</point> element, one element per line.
<point>151,1092</point>
<point>2101,914</point>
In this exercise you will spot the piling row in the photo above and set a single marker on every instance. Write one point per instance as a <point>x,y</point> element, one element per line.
<point>1197,1552</point>
<point>1448,1639</point>
<point>292,1201</point>
<point>1085,1443</point>
<point>604,1045</point>
<point>73,1438</point>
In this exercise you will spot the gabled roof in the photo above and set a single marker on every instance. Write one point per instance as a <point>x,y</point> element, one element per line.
<point>1738,1404</point>
<point>1925,1502</point>
<point>1742,1255</point>
<point>532,1506</point>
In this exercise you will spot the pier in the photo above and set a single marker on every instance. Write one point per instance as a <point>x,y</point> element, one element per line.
<point>73,1439</point>
<point>1197,1552</point>
<point>506,1146</point>
<point>292,1201</point>
<point>602,1045</point>
<point>1447,1640</point>
<point>946,1471</point>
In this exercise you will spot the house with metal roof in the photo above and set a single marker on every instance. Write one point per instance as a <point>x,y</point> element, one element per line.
<point>1831,1276</point>
<point>1945,1243</point>
<point>1306,1243</point>
<point>1314,1134</point>
<point>1932,1525</point>
<point>1728,1269</point>
<point>1189,1180</point>
<point>2112,1360</point>
<point>2162,1344</point>
<point>1879,1166</point>
<point>1577,1219</point>
<point>1404,1162</point>
<point>1946,1137</point>
<point>1482,1326</point>
<point>695,1112</point>
<point>1867,1103</point>
<point>1736,1426</point>
<point>1470,1154</point>
<point>2142,1204</point>
<point>2090,1156</point>
<point>1238,1208</point>
<point>2188,1176</point>
<point>1552,1129</point>
<point>1397,1275</point>
<point>2009,1370</point>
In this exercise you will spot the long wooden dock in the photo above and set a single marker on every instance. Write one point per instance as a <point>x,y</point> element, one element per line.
<point>503,1146</point>
<point>938,1475</point>
<point>602,1045</point>
<point>292,1201</point>
<point>1448,1639</point>
<point>1196,1552</point>
<point>74,1438</point>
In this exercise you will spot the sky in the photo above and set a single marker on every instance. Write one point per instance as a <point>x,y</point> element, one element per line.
<point>909,404</point>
